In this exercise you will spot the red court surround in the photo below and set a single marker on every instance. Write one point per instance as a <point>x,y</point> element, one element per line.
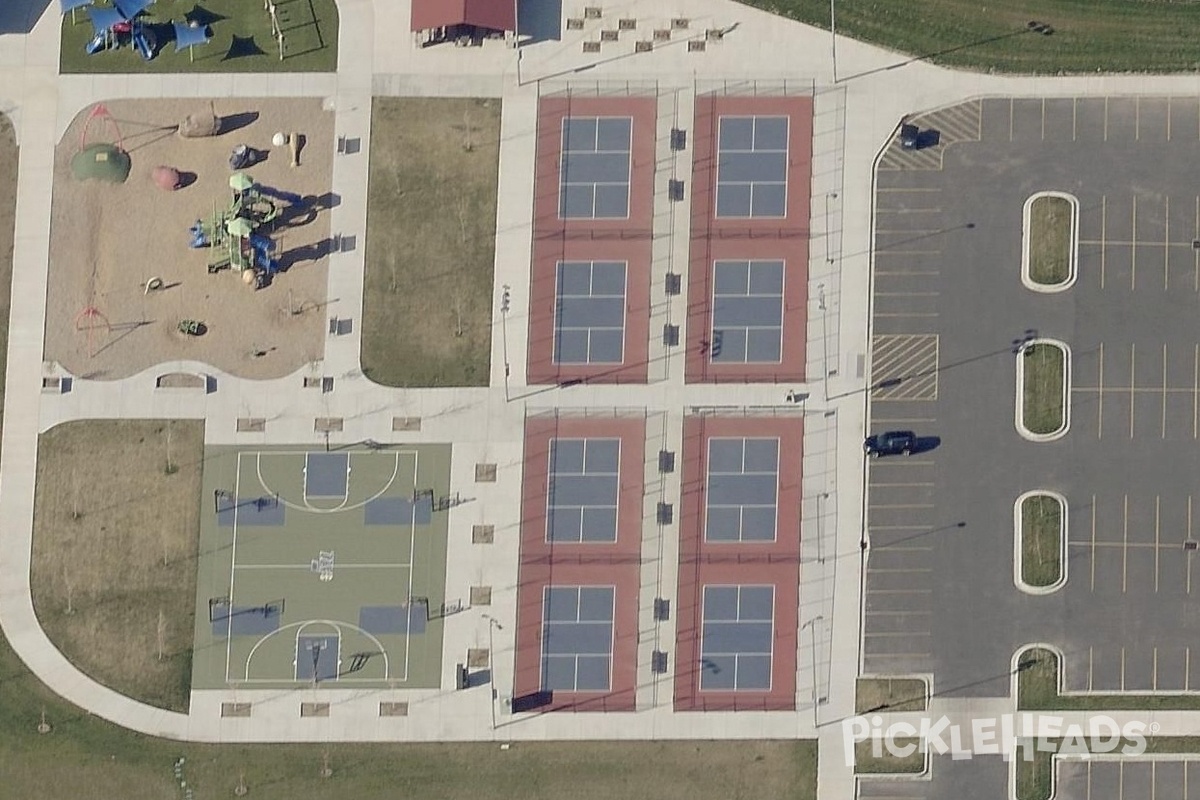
<point>556,239</point>
<point>702,563</point>
<point>616,564</point>
<point>741,238</point>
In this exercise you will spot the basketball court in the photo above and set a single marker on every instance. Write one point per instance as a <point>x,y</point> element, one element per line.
<point>322,567</point>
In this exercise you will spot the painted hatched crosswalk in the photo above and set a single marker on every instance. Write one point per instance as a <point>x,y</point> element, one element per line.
<point>904,367</point>
<point>959,123</point>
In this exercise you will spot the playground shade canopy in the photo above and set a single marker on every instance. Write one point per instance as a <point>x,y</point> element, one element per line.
<point>187,36</point>
<point>104,18</point>
<point>131,8</point>
<point>498,15</point>
<point>68,6</point>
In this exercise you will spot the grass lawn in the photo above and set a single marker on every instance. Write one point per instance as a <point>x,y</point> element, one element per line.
<point>1037,690</point>
<point>1041,540</point>
<point>865,762</point>
<point>242,40</point>
<point>1044,375</point>
<point>893,694</point>
<point>1089,35</point>
<point>431,227</point>
<point>1049,240</point>
<point>85,757</point>
<point>115,531</point>
<point>1034,775</point>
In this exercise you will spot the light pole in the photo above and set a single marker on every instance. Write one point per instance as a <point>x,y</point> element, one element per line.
<point>829,229</point>
<point>505,304</point>
<point>833,39</point>
<point>493,625</point>
<point>813,648</point>
<point>821,507</point>
<point>824,336</point>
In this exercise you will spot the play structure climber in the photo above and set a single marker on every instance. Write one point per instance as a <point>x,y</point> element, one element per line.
<point>122,25</point>
<point>237,235</point>
<point>119,25</point>
<point>102,161</point>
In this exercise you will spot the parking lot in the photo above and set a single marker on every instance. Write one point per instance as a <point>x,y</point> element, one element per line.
<point>1151,779</point>
<point>984,777</point>
<point>949,315</point>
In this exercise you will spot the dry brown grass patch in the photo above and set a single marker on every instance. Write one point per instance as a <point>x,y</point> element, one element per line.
<point>116,523</point>
<point>893,694</point>
<point>431,227</point>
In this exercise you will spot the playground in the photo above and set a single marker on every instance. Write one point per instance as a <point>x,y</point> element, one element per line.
<point>136,36</point>
<point>216,259</point>
<point>322,567</point>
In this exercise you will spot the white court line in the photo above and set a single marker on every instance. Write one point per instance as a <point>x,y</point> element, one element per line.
<point>340,566</point>
<point>307,508</point>
<point>412,551</point>
<point>237,483</point>
<point>1100,401</point>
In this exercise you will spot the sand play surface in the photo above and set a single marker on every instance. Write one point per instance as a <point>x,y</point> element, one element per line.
<point>108,240</point>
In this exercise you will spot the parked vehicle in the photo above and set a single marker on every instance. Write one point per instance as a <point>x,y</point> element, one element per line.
<point>890,443</point>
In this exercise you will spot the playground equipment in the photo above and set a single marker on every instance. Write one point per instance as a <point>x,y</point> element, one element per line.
<point>166,178</point>
<point>192,327</point>
<point>234,232</point>
<point>104,161</point>
<point>244,156</point>
<point>118,26</point>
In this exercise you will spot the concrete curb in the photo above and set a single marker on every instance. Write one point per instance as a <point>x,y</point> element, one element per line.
<point>1019,420</point>
<point>1018,541</point>
<point>1026,279</point>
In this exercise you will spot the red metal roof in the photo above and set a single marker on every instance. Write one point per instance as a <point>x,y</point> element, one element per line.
<point>500,15</point>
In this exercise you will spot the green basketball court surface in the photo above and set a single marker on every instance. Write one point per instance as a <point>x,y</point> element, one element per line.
<point>322,567</point>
